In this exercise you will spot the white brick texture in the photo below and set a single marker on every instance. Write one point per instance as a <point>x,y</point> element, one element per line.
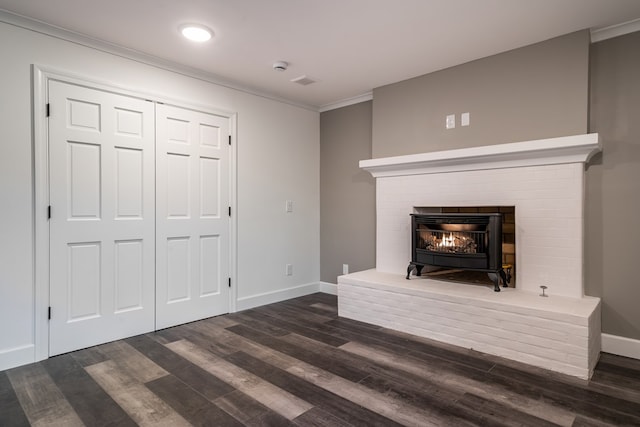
<point>556,333</point>
<point>548,203</point>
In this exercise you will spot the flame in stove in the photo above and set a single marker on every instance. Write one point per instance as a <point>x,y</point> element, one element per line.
<point>452,240</point>
<point>447,241</point>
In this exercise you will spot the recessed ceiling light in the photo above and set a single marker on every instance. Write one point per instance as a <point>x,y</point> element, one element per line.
<point>196,32</point>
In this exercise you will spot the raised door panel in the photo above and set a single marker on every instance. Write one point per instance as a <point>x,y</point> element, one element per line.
<point>129,275</point>
<point>178,271</point>
<point>178,185</point>
<point>129,186</point>
<point>84,169</point>
<point>84,283</point>
<point>210,190</point>
<point>210,265</point>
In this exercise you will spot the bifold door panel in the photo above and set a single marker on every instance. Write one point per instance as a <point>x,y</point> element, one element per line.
<point>192,220</point>
<point>102,236</point>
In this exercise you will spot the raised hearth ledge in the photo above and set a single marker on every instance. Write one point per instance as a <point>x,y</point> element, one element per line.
<point>558,333</point>
<point>567,149</point>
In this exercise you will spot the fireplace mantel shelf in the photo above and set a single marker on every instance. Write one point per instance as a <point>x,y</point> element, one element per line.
<point>568,149</point>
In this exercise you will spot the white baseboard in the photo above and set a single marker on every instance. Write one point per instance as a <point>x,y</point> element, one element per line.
<point>12,357</point>
<point>252,301</point>
<point>328,288</point>
<point>621,346</point>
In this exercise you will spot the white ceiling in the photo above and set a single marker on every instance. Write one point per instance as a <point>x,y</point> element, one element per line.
<point>348,46</point>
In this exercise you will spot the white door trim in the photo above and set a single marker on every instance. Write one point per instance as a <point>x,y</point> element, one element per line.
<point>233,201</point>
<point>41,76</point>
<point>41,222</point>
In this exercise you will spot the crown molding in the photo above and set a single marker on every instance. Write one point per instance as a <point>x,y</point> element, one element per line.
<point>60,33</point>
<point>346,102</point>
<point>612,31</point>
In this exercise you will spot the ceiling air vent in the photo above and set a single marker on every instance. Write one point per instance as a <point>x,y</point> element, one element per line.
<point>303,80</point>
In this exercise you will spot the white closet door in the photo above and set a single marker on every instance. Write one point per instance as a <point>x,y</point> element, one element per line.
<point>192,219</point>
<point>101,161</point>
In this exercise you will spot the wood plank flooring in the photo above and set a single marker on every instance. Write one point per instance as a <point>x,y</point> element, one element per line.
<point>296,363</point>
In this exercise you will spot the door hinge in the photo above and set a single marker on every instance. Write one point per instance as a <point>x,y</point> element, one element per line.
<point>229,281</point>
<point>48,110</point>
<point>229,210</point>
<point>49,212</point>
<point>49,314</point>
<point>229,139</point>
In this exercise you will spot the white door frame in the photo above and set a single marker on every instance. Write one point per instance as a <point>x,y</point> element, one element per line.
<point>41,75</point>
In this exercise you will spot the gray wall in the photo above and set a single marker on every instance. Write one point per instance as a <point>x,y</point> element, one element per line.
<point>613,184</point>
<point>347,193</point>
<point>535,92</point>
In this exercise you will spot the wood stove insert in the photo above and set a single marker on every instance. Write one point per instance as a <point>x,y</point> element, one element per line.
<point>460,241</point>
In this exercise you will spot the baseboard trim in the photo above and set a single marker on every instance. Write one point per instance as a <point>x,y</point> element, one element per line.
<point>328,288</point>
<point>252,301</point>
<point>621,346</point>
<point>18,356</point>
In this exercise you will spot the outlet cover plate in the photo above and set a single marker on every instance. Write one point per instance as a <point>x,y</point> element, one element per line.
<point>450,122</point>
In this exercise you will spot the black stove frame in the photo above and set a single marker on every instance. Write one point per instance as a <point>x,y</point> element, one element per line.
<point>482,250</point>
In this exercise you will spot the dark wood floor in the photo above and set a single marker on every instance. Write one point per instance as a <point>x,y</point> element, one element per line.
<point>297,363</point>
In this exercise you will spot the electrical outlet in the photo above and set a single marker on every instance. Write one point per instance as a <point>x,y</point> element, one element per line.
<point>289,206</point>
<point>288,270</point>
<point>345,268</point>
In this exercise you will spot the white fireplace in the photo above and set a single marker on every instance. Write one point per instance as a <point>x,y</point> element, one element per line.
<point>544,181</point>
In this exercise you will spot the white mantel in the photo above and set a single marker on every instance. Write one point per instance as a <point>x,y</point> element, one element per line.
<point>552,151</point>
<point>544,181</point>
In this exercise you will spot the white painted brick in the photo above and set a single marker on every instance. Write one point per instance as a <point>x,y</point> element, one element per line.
<point>412,313</point>
<point>559,341</point>
<point>548,201</point>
